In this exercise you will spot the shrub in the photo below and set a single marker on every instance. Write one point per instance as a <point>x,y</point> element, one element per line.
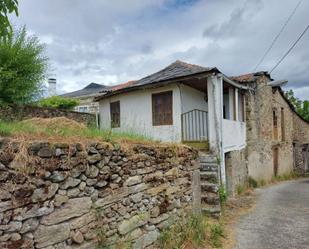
<point>23,68</point>
<point>59,102</point>
<point>252,182</point>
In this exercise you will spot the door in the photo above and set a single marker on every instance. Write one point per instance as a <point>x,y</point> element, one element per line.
<point>275,160</point>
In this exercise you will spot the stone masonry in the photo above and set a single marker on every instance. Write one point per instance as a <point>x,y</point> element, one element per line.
<point>77,196</point>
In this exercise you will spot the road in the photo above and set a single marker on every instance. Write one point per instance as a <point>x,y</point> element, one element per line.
<point>280,219</point>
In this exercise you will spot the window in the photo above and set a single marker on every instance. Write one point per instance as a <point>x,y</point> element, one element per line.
<point>115,114</point>
<point>275,119</point>
<point>83,108</point>
<point>162,108</point>
<point>275,124</point>
<point>282,125</point>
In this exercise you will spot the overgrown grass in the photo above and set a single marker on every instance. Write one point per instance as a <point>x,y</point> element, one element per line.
<point>24,129</point>
<point>283,177</point>
<point>192,232</point>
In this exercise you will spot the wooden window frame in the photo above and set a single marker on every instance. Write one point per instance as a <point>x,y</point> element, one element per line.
<point>115,114</point>
<point>165,114</point>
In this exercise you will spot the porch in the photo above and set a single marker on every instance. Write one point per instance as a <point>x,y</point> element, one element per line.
<point>214,116</point>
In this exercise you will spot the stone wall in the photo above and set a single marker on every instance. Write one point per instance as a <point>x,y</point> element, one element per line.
<point>79,197</point>
<point>236,170</point>
<point>301,144</point>
<point>262,138</point>
<point>20,112</point>
<point>89,103</point>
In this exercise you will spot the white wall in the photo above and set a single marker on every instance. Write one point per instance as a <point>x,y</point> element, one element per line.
<point>192,99</point>
<point>136,114</point>
<point>233,134</point>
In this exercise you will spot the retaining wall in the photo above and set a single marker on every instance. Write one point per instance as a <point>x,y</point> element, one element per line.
<point>83,196</point>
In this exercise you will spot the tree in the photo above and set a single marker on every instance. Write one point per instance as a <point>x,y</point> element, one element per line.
<point>301,107</point>
<point>7,7</point>
<point>59,102</point>
<point>23,68</point>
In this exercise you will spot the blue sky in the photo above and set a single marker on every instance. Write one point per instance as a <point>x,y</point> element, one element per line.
<point>110,42</point>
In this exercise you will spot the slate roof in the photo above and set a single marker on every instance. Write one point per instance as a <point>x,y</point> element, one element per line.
<point>91,89</point>
<point>177,69</point>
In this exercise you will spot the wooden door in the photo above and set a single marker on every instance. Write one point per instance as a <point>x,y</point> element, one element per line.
<point>275,160</point>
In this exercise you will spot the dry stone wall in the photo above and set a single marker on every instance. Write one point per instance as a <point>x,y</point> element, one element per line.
<point>76,197</point>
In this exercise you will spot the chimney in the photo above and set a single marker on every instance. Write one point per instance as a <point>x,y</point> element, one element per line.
<point>52,87</point>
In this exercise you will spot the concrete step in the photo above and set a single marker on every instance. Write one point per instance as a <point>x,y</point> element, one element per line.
<point>211,199</point>
<point>209,176</point>
<point>208,159</point>
<point>212,210</point>
<point>209,187</point>
<point>209,167</point>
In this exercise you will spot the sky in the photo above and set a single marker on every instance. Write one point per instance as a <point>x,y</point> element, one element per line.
<point>111,42</point>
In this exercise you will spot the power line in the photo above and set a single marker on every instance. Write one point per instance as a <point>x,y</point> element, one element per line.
<point>290,49</point>
<point>277,36</point>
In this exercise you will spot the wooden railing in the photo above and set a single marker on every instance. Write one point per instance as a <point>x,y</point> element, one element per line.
<point>194,125</point>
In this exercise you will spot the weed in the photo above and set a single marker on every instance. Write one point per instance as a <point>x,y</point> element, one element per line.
<point>252,182</point>
<point>189,228</point>
<point>222,194</point>
<point>285,176</point>
<point>216,234</point>
<point>262,183</point>
<point>240,189</point>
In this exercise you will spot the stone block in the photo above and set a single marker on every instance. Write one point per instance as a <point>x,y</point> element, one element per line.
<point>72,208</point>
<point>134,222</point>
<point>48,235</point>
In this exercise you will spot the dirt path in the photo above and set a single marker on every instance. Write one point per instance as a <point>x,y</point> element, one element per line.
<point>280,219</point>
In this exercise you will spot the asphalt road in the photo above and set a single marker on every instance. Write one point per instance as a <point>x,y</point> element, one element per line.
<point>279,220</point>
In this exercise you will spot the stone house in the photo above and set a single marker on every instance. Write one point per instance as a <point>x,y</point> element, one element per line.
<point>277,137</point>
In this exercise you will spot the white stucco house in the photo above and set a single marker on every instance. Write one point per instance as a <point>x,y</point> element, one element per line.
<point>180,103</point>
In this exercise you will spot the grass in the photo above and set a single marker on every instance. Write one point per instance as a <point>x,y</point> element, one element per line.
<point>26,129</point>
<point>283,177</point>
<point>192,232</point>
<point>240,189</point>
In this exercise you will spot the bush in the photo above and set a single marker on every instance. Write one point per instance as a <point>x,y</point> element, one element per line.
<point>252,182</point>
<point>59,102</point>
<point>23,68</point>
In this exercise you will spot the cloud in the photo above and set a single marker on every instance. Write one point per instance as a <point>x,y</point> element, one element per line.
<point>115,41</point>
